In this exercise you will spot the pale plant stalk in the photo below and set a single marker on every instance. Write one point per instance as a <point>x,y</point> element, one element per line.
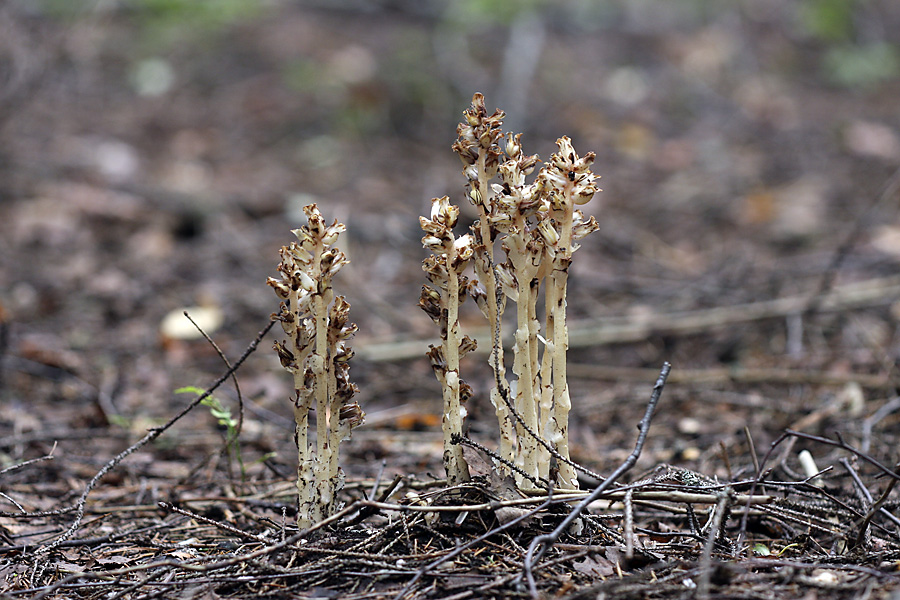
<point>569,181</point>
<point>335,401</point>
<point>323,386</point>
<point>537,227</point>
<point>525,336</point>
<point>444,269</point>
<point>317,331</point>
<point>302,404</point>
<point>454,462</point>
<point>541,454</point>
<point>546,373</point>
<point>558,343</point>
<point>489,279</point>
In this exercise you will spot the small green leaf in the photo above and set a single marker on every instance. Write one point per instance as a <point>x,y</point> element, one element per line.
<point>190,389</point>
<point>761,550</point>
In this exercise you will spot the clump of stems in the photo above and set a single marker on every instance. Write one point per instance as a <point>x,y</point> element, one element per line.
<point>536,225</point>
<point>316,354</point>
<point>444,268</point>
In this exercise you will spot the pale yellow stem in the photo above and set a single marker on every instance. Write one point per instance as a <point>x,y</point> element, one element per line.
<point>305,466</point>
<point>523,367</point>
<point>489,279</point>
<point>454,463</point>
<point>546,377</point>
<point>562,404</point>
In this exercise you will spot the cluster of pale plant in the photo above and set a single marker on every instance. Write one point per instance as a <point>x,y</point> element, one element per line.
<point>536,226</point>
<point>316,354</point>
<point>520,246</point>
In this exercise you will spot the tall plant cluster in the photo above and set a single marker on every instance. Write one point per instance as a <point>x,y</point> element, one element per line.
<point>521,245</point>
<point>316,354</point>
<point>519,249</point>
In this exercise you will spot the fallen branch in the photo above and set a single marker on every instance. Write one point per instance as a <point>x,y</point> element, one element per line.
<point>619,330</point>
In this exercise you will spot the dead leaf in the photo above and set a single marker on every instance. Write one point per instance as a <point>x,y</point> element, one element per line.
<point>595,566</point>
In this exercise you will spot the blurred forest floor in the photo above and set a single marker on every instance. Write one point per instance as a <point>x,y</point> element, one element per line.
<point>154,155</point>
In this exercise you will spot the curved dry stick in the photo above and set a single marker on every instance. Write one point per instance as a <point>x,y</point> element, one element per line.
<point>237,388</point>
<point>152,434</point>
<point>542,543</point>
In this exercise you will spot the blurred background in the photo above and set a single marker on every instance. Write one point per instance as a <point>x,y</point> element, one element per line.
<point>154,155</point>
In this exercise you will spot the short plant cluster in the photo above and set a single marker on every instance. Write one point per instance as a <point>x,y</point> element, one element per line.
<point>520,249</point>
<point>316,354</point>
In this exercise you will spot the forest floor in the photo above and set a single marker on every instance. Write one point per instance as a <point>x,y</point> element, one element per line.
<point>749,235</point>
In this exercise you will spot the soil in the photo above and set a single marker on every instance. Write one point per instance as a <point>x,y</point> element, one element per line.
<point>154,158</point>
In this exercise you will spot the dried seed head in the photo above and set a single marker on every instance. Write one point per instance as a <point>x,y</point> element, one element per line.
<point>569,175</point>
<point>479,134</point>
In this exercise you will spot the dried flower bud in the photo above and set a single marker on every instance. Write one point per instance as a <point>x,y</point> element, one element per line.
<point>285,356</point>
<point>436,271</point>
<point>430,302</point>
<point>464,247</point>
<point>548,232</point>
<point>466,345</point>
<point>282,290</point>
<point>431,227</point>
<point>465,392</point>
<point>299,254</point>
<point>514,145</point>
<point>303,236</point>
<point>338,261</point>
<point>435,244</point>
<point>306,282</point>
<point>304,299</point>
<point>435,354</point>
<point>479,295</point>
<point>343,354</point>
<point>352,414</point>
<point>506,277</point>
<point>331,234</point>
<point>515,244</point>
<point>580,230</point>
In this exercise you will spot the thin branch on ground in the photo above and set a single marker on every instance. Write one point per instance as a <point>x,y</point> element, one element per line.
<point>152,434</point>
<point>542,543</point>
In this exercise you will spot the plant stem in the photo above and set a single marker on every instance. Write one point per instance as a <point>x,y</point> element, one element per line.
<point>454,463</point>
<point>558,423</point>
<point>485,272</point>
